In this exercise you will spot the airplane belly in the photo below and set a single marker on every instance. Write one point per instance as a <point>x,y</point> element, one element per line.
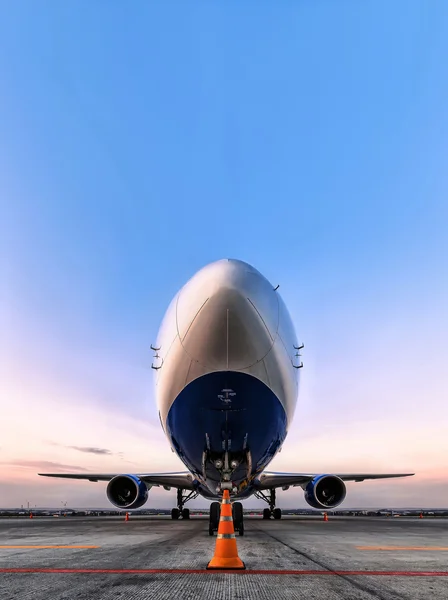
<point>226,411</point>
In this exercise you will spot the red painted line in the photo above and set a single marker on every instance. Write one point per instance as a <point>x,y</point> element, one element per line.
<point>248,572</point>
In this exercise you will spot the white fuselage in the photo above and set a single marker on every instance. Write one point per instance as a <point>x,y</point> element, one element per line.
<point>226,361</point>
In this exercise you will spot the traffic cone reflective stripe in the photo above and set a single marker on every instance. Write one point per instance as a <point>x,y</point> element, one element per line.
<point>226,552</point>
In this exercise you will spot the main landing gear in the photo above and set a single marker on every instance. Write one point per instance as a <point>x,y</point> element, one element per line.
<point>215,514</point>
<point>270,499</point>
<point>182,498</point>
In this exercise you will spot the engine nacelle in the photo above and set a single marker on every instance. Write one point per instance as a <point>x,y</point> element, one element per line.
<point>325,491</point>
<point>127,491</point>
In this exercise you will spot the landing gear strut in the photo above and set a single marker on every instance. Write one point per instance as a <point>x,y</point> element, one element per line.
<point>181,500</point>
<point>270,499</point>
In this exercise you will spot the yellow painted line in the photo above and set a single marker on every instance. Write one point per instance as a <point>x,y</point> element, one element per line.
<point>34,547</point>
<point>419,548</point>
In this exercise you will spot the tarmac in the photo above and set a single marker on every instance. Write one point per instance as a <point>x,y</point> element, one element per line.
<point>154,557</point>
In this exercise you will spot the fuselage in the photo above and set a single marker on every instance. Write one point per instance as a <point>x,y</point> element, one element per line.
<point>226,375</point>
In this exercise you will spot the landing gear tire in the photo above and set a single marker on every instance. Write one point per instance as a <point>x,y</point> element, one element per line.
<point>175,513</point>
<point>266,513</point>
<point>185,513</point>
<point>277,513</point>
<point>215,513</point>
<point>238,517</point>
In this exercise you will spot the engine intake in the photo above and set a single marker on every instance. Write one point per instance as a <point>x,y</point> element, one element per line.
<point>127,491</point>
<point>325,491</point>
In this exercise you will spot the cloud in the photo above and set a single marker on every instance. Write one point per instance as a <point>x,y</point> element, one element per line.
<point>90,450</point>
<point>43,465</point>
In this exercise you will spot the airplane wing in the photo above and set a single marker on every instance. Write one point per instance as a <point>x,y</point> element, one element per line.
<point>274,480</point>
<point>182,479</point>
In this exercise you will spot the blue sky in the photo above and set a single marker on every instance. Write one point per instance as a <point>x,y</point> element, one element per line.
<point>138,142</point>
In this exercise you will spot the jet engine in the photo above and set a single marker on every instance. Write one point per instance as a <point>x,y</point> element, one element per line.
<point>325,491</point>
<point>127,491</point>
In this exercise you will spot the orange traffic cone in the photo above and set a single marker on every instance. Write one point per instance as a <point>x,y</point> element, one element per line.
<point>126,517</point>
<point>421,515</point>
<point>226,552</point>
<point>31,515</point>
<point>325,516</point>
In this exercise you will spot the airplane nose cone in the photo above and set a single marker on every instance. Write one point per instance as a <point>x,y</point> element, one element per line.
<point>227,316</point>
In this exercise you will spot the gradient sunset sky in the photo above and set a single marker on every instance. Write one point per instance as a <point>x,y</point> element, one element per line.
<point>140,141</point>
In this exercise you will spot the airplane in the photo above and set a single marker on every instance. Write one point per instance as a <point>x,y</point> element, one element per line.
<point>227,365</point>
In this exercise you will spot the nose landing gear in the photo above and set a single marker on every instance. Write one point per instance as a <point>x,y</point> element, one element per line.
<point>237,514</point>
<point>215,513</point>
<point>238,517</point>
